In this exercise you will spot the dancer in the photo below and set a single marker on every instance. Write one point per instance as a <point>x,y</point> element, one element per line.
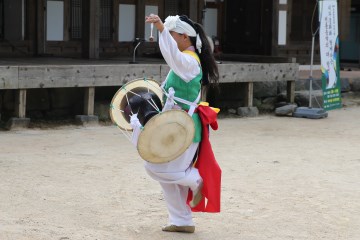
<point>186,50</point>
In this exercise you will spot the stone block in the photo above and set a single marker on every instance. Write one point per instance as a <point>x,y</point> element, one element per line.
<point>316,84</point>
<point>265,89</point>
<point>256,102</point>
<point>355,84</point>
<point>17,123</point>
<point>285,110</point>
<point>231,111</point>
<point>345,85</point>
<point>350,99</point>
<point>101,109</point>
<point>267,105</point>
<point>86,120</point>
<point>248,111</point>
<point>302,98</point>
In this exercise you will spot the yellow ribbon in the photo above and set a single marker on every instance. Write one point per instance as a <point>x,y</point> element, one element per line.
<point>206,104</point>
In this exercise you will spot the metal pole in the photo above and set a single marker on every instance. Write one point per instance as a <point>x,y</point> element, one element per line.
<point>311,70</point>
<point>135,51</point>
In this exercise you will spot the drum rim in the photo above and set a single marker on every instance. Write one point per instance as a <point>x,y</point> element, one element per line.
<point>191,130</point>
<point>112,110</point>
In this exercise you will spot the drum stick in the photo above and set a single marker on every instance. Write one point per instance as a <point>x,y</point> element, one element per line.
<point>151,38</point>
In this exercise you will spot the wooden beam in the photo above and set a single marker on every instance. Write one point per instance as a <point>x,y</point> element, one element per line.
<point>92,75</point>
<point>20,103</point>
<point>290,91</point>
<point>249,94</point>
<point>89,99</point>
<point>91,29</point>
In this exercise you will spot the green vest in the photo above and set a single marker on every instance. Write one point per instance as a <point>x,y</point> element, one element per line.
<point>188,91</point>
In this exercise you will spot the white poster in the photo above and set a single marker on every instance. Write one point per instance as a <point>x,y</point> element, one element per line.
<point>210,22</point>
<point>55,21</point>
<point>329,52</point>
<point>127,13</point>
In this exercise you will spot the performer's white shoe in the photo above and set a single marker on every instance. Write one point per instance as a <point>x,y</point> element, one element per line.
<point>197,195</point>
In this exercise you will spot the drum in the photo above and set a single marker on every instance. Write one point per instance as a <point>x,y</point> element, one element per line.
<point>165,135</point>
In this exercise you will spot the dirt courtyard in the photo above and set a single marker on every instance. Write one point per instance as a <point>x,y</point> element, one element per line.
<point>283,178</point>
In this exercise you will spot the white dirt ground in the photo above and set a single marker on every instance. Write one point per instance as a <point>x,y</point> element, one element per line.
<point>283,178</point>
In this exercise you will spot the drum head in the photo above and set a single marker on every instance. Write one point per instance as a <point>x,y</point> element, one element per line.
<point>121,98</point>
<point>166,136</point>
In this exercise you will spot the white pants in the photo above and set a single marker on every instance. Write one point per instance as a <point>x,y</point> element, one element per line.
<point>175,178</point>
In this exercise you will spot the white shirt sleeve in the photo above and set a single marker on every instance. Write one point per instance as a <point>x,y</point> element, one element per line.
<point>184,65</point>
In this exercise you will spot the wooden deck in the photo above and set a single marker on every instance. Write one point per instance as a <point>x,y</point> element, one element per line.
<point>29,73</point>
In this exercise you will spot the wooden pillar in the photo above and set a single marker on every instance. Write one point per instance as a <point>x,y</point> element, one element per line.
<point>204,91</point>
<point>249,94</point>
<point>116,16</point>
<point>40,26</point>
<point>344,18</point>
<point>200,15</point>
<point>140,13</point>
<point>20,103</point>
<point>290,91</point>
<point>89,99</point>
<point>67,17</point>
<point>193,10</point>
<point>31,26</point>
<point>91,29</point>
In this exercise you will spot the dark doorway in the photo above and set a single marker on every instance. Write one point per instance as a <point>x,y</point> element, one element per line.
<point>248,27</point>
<point>350,47</point>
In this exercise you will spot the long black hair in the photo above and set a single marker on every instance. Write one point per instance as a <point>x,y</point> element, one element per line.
<point>208,63</point>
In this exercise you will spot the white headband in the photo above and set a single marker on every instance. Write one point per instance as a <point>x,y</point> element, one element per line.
<point>174,23</point>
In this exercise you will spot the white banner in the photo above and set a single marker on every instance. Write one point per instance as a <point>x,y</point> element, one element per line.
<point>329,51</point>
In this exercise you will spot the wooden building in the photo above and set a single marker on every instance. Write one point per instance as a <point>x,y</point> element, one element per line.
<point>108,28</point>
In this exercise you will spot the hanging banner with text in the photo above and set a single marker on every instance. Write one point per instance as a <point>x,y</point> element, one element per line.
<point>329,50</point>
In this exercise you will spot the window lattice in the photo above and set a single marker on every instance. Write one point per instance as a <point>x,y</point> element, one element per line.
<point>106,9</point>
<point>76,19</point>
<point>1,19</point>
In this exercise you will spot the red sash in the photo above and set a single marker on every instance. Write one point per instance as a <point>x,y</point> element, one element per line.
<point>206,163</point>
